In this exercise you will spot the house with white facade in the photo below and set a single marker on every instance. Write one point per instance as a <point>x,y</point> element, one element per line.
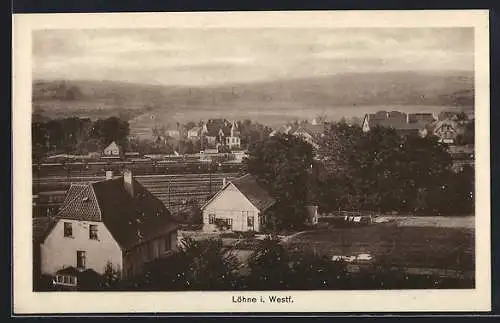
<point>240,205</point>
<point>233,141</point>
<point>194,133</point>
<point>113,221</point>
<point>112,150</point>
<point>447,131</point>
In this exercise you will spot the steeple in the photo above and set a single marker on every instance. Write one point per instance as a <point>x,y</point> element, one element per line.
<point>233,129</point>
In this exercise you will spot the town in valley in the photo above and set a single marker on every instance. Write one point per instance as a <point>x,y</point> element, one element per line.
<point>337,181</point>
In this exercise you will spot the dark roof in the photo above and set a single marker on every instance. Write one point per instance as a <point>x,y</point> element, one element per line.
<point>398,125</point>
<point>254,192</point>
<point>315,130</point>
<point>214,125</point>
<point>131,220</point>
<point>68,271</point>
<point>42,227</point>
<point>80,204</point>
<point>87,274</point>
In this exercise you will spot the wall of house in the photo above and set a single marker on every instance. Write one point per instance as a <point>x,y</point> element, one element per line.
<point>231,204</point>
<point>134,259</point>
<point>112,152</point>
<point>233,142</point>
<point>59,251</point>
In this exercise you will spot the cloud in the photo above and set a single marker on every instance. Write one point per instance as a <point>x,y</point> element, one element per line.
<point>197,56</point>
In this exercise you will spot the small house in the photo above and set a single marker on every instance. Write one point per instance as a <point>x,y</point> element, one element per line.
<point>447,131</point>
<point>240,205</point>
<point>112,150</point>
<point>194,133</point>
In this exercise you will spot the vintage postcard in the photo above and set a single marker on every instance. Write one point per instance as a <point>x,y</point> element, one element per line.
<point>251,162</point>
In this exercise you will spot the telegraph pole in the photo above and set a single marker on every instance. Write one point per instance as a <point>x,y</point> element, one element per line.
<point>210,176</point>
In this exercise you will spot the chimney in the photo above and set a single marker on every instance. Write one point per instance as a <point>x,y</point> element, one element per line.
<point>128,183</point>
<point>109,174</point>
<point>223,182</point>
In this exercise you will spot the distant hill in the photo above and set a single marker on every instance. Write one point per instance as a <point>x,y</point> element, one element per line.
<point>287,97</point>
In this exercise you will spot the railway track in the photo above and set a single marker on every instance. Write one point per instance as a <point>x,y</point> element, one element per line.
<point>173,190</point>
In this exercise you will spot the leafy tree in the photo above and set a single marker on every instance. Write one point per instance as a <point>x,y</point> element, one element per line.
<point>467,138</point>
<point>462,116</point>
<point>269,266</point>
<point>190,125</point>
<point>109,130</point>
<point>111,277</point>
<point>251,133</point>
<point>381,170</point>
<point>198,265</point>
<point>282,164</point>
<point>310,271</point>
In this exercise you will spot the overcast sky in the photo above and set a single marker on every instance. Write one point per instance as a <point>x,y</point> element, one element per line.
<point>216,56</point>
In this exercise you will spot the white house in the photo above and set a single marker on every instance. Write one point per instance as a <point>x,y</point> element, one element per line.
<point>447,131</point>
<point>113,221</point>
<point>241,204</point>
<point>112,150</point>
<point>194,133</point>
<point>233,141</point>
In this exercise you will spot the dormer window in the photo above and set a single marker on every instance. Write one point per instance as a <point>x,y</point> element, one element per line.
<point>85,199</point>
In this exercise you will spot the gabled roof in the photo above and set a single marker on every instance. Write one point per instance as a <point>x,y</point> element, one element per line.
<point>395,120</point>
<point>80,204</point>
<point>315,130</point>
<point>196,128</point>
<point>398,125</point>
<point>112,146</point>
<point>215,125</point>
<point>252,190</point>
<point>131,220</point>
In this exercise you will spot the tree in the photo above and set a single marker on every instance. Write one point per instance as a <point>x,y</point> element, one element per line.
<point>462,116</point>
<point>310,271</point>
<point>190,125</point>
<point>382,171</point>
<point>109,130</point>
<point>281,164</point>
<point>198,265</point>
<point>111,277</point>
<point>269,266</point>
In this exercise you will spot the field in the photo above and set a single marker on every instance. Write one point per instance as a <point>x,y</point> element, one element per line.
<point>406,246</point>
<point>270,103</point>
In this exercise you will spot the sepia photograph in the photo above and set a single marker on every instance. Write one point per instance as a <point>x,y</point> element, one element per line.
<point>257,159</point>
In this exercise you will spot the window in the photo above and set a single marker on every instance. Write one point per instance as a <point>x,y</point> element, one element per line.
<point>68,229</point>
<point>93,232</point>
<point>262,219</point>
<point>80,259</point>
<point>229,223</point>
<point>250,221</point>
<point>65,280</point>
<point>211,219</point>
